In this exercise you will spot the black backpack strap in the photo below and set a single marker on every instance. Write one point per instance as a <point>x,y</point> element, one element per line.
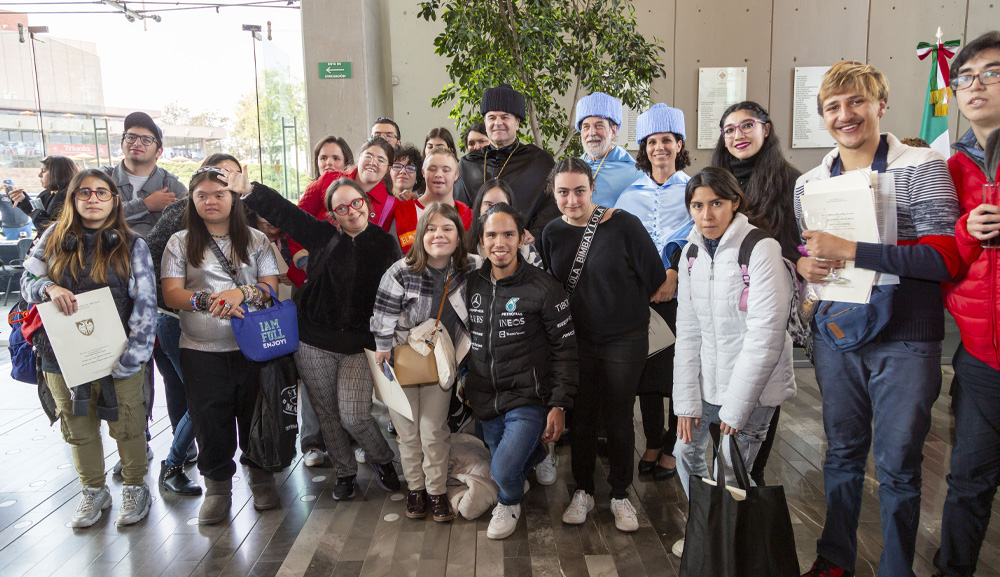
<point>743,259</point>
<point>749,242</point>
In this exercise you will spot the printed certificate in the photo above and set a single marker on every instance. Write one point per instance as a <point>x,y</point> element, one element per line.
<point>850,214</point>
<point>88,343</point>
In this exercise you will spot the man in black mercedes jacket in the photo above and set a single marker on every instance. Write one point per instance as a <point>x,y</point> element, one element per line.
<point>525,167</point>
<point>523,361</point>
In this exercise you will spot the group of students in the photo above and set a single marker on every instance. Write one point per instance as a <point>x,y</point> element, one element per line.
<point>625,237</point>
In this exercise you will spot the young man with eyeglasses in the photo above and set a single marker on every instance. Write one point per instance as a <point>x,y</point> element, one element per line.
<point>525,167</point>
<point>146,189</point>
<point>879,393</point>
<point>975,457</point>
<point>386,129</point>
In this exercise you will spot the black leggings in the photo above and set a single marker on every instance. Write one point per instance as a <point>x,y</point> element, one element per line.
<point>651,407</point>
<point>656,383</point>
<point>609,378</point>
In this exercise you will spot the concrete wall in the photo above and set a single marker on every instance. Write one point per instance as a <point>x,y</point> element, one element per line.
<point>69,74</point>
<point>769,37</point>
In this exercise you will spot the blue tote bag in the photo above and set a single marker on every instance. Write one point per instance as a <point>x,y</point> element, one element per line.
<point>268,333</point>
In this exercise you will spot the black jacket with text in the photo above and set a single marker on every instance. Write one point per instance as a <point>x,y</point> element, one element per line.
<point>523,342</point>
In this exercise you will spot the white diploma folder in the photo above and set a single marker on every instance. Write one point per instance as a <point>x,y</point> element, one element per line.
<point>89,342</point>
<point>660,335</point>
<point>387,388</point>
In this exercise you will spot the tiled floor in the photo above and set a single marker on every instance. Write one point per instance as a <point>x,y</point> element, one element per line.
<point>311,534</point>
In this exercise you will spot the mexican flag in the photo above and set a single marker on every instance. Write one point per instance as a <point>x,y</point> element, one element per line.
<point>934,128</point>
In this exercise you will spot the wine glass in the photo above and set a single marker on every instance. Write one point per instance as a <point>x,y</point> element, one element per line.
<point>815,220</point>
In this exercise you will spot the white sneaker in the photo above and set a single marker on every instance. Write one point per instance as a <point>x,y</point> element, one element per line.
<point>313,458</point>
<point>135,504</point>
<point>359,454</point>
<point>89,510</point>
<point>576,513</point>
<point>678,548</point>
<point>545,472</point>
<point>504,521</point>
<point>625,519</point>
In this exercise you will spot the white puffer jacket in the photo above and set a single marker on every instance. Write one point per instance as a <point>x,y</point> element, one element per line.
<point>738,360</point>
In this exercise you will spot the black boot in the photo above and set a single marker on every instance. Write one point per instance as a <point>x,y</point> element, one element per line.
<point>174,479</point>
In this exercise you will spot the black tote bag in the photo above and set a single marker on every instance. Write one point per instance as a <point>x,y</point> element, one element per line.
<point>728,535</point>
<point>274,425</point>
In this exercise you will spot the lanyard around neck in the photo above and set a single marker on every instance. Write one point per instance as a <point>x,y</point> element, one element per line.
<point>504,162</point>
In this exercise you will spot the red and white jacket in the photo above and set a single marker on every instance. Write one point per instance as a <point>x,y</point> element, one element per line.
<point>974,300</point>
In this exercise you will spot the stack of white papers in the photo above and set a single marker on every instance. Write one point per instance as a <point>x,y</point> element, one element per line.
<point>849,204</point>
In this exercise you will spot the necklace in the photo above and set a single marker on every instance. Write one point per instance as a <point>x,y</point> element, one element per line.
<point>603,158</point>
<point>504,162</point>
<point>219,236</point>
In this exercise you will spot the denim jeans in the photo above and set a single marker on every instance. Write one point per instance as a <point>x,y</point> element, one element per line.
<point>893,385</point>
<point>167,358</point>
<point>975,465</point>
<point>691,456</point>
<point>310,435</point>
<point>514,439</point>
<point>183,437</point>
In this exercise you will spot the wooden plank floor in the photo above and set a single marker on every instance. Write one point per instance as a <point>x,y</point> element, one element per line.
<point>311,534</point>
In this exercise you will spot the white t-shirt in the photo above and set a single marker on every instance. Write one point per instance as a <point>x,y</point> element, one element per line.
<point>137,182</point>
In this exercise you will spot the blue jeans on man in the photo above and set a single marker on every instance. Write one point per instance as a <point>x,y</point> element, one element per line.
<point>515,441</point>
<point>975,465</point>
<point>893,385</point>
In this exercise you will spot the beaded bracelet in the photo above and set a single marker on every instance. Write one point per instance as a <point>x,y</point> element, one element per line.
<point>252,294</point>
<point>200,301</point>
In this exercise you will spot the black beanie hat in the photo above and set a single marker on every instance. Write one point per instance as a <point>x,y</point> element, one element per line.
<point>143,120</point>
<point>502,98</point>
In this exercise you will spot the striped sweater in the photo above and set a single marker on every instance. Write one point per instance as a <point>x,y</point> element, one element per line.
<point>924,255</point>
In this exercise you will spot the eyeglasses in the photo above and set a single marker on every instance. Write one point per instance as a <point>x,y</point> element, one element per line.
<point>146,140</point>
<point>407,167</point>
<point>384,135</point>
<point>84,194</point>
<point>356,204</point>
<point>745,127</point>
<point>985,78</point>
<point>376,159</point>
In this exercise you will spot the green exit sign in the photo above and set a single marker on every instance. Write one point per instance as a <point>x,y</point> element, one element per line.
<point>334,70</point>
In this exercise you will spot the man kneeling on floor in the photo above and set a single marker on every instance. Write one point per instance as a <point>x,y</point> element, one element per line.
<point>523,361</point>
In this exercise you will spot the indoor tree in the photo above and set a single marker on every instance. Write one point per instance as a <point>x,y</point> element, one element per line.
<point>552,51</point>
